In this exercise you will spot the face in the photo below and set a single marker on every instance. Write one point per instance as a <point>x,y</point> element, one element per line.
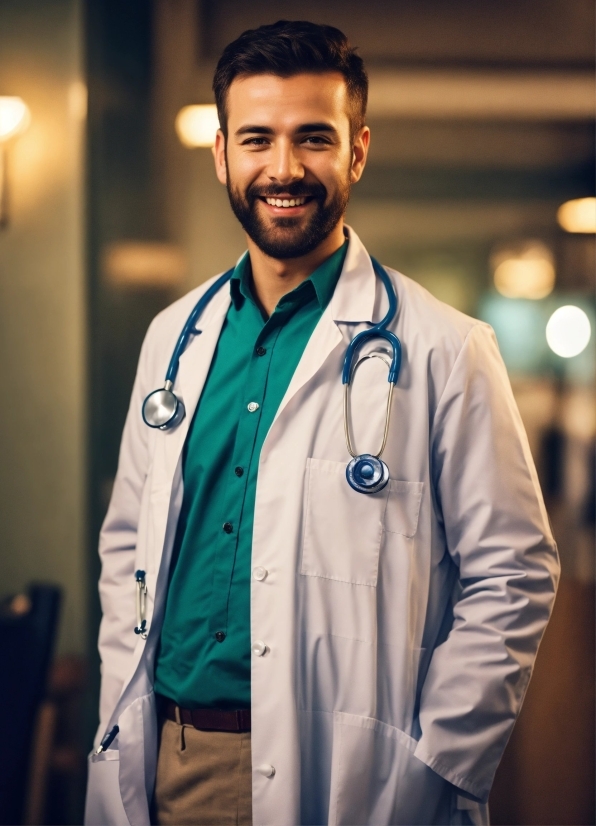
<point>289,160</point>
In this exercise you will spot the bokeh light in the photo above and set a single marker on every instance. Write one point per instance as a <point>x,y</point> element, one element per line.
<point>524,270</point>
<point>197,125</point>
<point>578,215</point>
<point>568,331</point>
<point>14,117</point>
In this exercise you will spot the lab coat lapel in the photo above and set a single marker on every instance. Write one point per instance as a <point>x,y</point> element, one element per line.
<point>192,374</point>
<point>353,302</point>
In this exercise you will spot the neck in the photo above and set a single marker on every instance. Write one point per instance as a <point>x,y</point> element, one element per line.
<point>274,277</point>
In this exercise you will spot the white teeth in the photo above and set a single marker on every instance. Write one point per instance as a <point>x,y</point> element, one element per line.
<point>286,202</point>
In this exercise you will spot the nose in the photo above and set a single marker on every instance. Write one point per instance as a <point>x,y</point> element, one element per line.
<point>285,167</point>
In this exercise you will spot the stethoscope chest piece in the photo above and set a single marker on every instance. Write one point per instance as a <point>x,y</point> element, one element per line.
<point>163,409</point>
<point>367,473</point>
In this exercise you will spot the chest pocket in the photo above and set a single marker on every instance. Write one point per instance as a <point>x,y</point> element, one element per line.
<point>343,529</point>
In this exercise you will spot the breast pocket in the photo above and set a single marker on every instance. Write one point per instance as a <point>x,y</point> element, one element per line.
<point>343,528</point>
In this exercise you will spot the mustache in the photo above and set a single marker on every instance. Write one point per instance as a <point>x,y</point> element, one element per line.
<point>295,190</point>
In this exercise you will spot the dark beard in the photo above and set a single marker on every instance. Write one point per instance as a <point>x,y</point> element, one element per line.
<point>295,244</point>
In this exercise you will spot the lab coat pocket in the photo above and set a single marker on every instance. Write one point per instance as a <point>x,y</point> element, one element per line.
<point>104,801</point>
<point>376,779</point>
<point>403,507</point>
<point>342,528</point>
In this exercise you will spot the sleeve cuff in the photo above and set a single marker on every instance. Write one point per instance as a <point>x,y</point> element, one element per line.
<point>466,787</point>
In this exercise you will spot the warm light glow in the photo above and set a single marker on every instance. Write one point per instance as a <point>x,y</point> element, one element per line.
<point>144,264</point>
<point>578,215</point>
<point>14,117</point>
<point>524,271</point>
<point>568,331</point>
<point>197,125</point>
<point>77,100</point>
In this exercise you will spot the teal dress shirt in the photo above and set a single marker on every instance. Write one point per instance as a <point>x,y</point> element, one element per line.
<point>204,654</point>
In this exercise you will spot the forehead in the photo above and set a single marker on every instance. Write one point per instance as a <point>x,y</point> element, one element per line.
<point>285,101</point>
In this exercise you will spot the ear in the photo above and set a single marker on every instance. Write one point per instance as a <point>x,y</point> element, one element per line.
<point>219,156</point>
<point>360,153</point>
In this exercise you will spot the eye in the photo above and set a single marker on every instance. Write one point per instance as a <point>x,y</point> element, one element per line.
<point>255,142</point>
<point>316,140</point>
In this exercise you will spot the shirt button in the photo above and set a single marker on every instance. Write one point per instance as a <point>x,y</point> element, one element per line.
<point>261,351</point>
<point>238,471</point>
<point>220,636</point>
<point>266,770</point>
<point>252,406</point>
<point>260,573</point>
<point>258,648</point>
<point>228,527</point>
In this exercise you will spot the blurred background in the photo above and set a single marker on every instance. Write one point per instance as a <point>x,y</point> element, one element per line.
<point>480,185</point>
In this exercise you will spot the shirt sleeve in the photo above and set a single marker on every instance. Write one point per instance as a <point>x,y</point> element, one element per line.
<point>498,534</point>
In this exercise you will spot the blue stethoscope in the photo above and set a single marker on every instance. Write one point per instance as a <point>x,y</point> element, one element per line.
<point>366,473</point>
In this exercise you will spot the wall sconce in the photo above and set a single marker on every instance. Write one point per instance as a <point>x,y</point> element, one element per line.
<point>197,125</point>
<point>14,119</point>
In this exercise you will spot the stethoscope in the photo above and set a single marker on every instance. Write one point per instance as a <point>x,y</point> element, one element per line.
<point>366,472</point>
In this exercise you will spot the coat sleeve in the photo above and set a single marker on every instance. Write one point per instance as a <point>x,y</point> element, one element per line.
<point>498,534</point>
<point>117,550</point>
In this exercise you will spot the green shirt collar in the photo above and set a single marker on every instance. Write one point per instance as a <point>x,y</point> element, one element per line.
<point>322,282</point>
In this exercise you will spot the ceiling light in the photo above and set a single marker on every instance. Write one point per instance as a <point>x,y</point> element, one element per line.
<point>568,331</point>
<point>525,270</point>
<point>14,117</point>
<point>197,125</point>
<point>578,215</point>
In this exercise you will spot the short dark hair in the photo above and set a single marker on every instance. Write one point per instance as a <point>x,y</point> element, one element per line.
<point>288,48</point>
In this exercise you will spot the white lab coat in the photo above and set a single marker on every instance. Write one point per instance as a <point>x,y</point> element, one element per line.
<point>401,627</point>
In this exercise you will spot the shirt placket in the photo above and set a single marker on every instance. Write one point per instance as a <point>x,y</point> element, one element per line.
<point>253,394</point>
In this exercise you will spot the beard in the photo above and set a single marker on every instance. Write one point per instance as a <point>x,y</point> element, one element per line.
<point>290,237</point>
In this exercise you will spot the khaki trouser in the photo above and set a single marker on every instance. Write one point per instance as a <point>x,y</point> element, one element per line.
<point>203,777</point>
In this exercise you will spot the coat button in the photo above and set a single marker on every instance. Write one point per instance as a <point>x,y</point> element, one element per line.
<point>266,770</point>
<point>220,636</point>
<point>239,471</point>
<point>252,406</point>
<point>258,647</point>
<point>228,527</point>
<point>261,351</point>
<point>260,573</point>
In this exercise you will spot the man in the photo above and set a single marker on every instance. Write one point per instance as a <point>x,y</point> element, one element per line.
<point>310,653</point>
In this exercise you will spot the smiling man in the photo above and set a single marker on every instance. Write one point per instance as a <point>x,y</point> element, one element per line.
<point>293,632</point>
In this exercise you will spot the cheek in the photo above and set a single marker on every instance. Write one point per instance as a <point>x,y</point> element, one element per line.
<point>333,170</point>
<point>244,168</point>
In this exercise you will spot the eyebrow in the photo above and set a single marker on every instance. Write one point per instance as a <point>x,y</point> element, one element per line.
<point>253,129</point>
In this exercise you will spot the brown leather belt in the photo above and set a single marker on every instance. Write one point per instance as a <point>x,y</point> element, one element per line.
<point>207,719</point>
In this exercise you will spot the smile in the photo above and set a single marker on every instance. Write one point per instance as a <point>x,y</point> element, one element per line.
<point>285,202</point>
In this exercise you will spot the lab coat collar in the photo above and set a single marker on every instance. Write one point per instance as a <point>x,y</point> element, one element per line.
<point>354,296</point>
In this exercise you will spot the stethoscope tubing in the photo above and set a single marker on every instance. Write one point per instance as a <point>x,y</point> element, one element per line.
<point>377,331</point>
<point>189,330</point>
